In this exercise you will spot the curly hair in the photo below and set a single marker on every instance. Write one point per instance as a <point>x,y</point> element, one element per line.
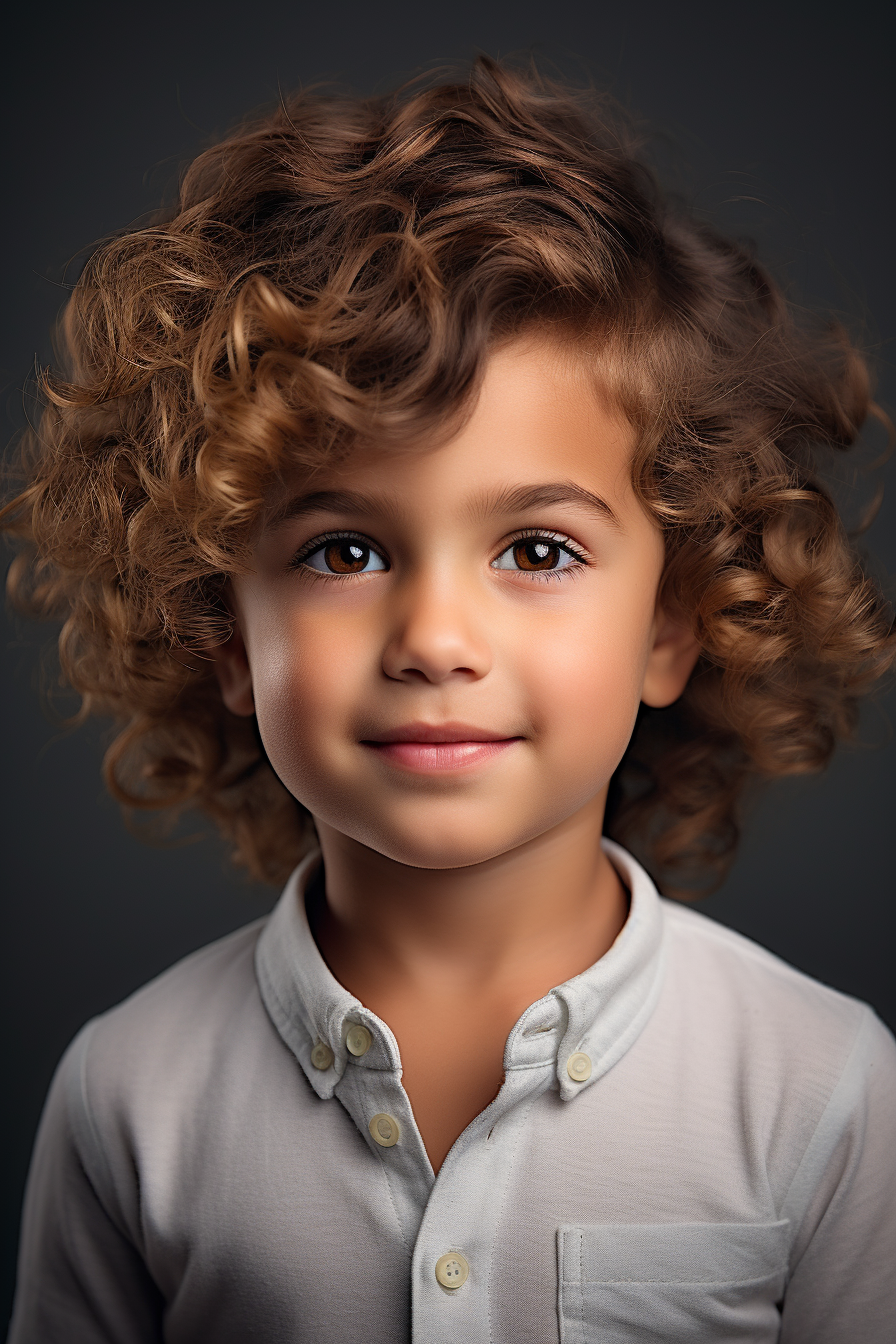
<point>333,277</point>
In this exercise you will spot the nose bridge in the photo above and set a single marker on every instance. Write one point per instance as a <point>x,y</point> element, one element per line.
<point>439,626</point>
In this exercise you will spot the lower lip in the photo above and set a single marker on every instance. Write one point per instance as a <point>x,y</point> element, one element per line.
<point>439,757</point>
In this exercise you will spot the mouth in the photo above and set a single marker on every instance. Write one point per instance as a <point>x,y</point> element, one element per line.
<point>435,748</point>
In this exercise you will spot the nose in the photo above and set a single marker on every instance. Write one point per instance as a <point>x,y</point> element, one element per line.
<point>437,635</point>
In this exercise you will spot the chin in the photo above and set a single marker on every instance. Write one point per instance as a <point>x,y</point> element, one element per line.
<point>413,854</point>
<point>433,846</point>
<point>442,843</point>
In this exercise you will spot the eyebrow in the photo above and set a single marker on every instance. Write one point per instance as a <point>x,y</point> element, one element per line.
<point>512,499</point>
<point>521,498</point>
<point>327,501</point>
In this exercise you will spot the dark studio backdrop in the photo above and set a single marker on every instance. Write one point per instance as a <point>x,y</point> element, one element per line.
<point>776,121</point>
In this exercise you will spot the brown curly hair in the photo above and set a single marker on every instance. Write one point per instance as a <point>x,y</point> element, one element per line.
<point>331,277</point>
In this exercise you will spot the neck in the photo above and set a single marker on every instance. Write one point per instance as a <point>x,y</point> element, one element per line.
<point>512,926</point>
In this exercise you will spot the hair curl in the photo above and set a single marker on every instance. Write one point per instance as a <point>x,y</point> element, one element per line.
<point>332,277</point>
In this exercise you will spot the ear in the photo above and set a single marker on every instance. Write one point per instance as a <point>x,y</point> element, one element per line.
<point>233,673</point>
<point>670,662</point>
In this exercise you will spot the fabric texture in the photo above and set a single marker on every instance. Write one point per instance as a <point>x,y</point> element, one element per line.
<point>727,1171</point>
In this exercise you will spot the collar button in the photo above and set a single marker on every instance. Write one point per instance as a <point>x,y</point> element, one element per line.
<point>322,1056</point>
<point>578,1066</point>
<point>358,1040</point>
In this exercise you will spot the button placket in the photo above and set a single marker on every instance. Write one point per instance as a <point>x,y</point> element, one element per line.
<point>463,1214</point>
<point>375,1094</point>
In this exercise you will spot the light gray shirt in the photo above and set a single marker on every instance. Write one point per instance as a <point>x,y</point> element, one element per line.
<point>693,1142</point>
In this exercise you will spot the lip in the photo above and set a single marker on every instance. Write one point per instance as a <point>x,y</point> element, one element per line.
<point>426,748</point>
<point>438,732</point>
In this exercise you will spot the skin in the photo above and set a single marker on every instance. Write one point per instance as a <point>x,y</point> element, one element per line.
<point>462,883</point>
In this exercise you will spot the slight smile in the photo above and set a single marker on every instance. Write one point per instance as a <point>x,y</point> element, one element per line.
<point>437,748</point>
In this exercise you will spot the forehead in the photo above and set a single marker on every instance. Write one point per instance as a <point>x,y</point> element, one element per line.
<point>540,419</point>
<point>545,398</point>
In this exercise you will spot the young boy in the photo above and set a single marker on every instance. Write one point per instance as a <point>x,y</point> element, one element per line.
<point>418,458</point>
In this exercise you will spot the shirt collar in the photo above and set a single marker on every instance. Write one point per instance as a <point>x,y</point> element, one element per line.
<point>599,1013</point>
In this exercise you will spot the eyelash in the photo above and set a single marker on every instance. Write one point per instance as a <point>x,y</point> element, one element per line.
<point>298,560</point>
<point>580,556</point>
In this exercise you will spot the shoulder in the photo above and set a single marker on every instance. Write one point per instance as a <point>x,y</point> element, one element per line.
<point>201,986</point>
<point>174,1031</point>
<point>747,996</point>
<point>149,1091</point>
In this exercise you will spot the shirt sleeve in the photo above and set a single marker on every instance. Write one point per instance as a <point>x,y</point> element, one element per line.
<point>81,1279</point>
<point>843,1198</point>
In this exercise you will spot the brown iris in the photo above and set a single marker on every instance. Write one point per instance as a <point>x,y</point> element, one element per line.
<point>536,554</point>
<point>347,557</point>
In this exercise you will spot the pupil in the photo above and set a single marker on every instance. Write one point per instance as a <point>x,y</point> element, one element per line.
<point>537,555</point>
<point>347,557</point>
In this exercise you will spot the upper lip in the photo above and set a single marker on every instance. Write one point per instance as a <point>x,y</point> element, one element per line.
<point>438,732</point>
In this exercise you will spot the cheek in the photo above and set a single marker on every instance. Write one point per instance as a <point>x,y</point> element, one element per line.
<point>586,688</point>
<point>304,684</point>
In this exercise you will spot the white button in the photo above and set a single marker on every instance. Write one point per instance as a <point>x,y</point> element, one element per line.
<point>578,1066</point>
<point>358,1039</point>
<point>452,1270</point>
<point>384,1130</point>
<point>322,1056</point>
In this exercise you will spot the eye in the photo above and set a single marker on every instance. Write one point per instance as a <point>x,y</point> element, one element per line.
<point>342,556</point>
<point>537,554</point>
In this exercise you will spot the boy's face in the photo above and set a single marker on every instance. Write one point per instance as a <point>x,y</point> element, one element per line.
<point>502,586</point>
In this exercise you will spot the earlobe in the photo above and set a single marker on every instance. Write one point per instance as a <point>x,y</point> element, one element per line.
<point>234,674</point>
<point>670,663</point>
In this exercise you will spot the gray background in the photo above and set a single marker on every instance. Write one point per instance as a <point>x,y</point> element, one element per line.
<point>775,120</point>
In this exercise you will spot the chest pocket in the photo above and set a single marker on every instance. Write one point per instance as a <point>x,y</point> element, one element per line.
<point>671,1283</point>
